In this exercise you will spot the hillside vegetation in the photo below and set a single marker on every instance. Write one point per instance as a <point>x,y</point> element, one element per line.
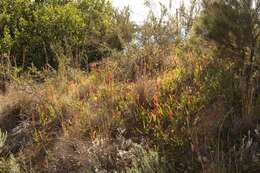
<point>83,89</point>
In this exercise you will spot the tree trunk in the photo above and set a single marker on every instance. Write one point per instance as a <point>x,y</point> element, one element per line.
<point>23,56</point>
<point>248,84</point>
<point>45,53</point>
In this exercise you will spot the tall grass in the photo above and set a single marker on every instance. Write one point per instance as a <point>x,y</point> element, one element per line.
<point>147,110</point>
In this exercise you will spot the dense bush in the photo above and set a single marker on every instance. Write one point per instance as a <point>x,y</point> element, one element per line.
<point>86,30</point>
<point>169,102</point>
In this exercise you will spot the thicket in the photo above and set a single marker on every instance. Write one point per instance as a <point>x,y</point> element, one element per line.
<point>84,30</point>
<point>180,93</point>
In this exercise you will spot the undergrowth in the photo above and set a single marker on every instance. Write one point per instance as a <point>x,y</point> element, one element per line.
<point>134,113</point>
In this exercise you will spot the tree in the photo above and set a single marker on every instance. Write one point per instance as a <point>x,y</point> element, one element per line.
<point>15,17</point>
<point>29,30</point>
<point>158,29</point>
<point>123,29</point>
<point>58,24</point>
<point>171,26</point>
<point>233,25</point>
<point>186,15</point>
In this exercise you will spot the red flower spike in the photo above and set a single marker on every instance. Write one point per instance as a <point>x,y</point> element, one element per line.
<point>33,120</point>
<point>170,115</point>
<point>109,78</point>
<point>155,99</point>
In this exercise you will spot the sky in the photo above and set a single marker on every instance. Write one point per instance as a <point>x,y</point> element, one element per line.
<point>139,11</point>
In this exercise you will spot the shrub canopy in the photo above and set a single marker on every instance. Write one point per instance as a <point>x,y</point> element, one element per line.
<point>29,30</point>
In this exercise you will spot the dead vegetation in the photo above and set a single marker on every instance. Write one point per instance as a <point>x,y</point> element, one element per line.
<point>183,120</point>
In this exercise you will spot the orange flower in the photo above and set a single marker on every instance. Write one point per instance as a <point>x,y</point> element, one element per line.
<point>155,99</point>
<point>93,66</point>
<point>109,78</point>
<point>33,120</point>
<point>170,114</point>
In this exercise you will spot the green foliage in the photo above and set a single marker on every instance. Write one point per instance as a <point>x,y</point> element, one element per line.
<point>148,162</point>
<point>161,30</point>
<point>6,42</point>
<point>147,62</point>
<point>164,104</point>
<point>233,25</point>
<point>85,30</point>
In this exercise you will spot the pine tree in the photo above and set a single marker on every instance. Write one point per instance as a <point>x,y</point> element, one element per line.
<point>233,25</point>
